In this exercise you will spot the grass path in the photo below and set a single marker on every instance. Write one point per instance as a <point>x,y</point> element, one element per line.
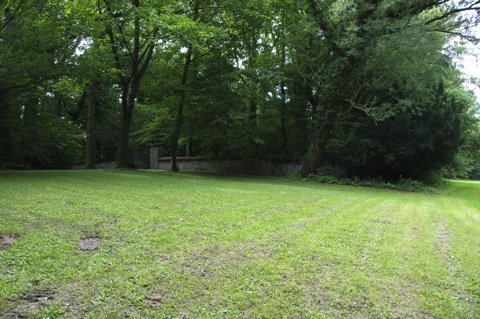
<point>204,246</point>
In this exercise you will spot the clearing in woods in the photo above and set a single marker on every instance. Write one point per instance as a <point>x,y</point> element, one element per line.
<point>149,244</point>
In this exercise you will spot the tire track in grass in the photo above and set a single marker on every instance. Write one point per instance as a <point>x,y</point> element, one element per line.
<point>442,246</point>
<point>237,265</point>
<point>457,234</point>
<point>397,254</point>
<point>465,244</point>
<point>245,219</point>
<point>334,249</point>
<point>420,269</point>
<point>428,271</point>
<point>353,285</point>
<point>275,273</point>
<point>318,249</point>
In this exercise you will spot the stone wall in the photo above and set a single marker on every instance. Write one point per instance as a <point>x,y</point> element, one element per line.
<point>244,167</point>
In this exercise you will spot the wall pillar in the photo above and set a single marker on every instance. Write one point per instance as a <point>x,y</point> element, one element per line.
<point>154,156</point>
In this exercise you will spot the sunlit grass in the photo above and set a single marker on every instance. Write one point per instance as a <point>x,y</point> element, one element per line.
<point>205,246</point>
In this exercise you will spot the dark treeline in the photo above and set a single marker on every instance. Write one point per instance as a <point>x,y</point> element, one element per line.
<point>371,85</point>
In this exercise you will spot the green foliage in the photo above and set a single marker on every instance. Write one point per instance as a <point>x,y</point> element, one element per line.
<point>264,80</point>
<point>475,172</point>
<point>466,160</point>
<point>409,145</point>
<point>56,144</point>
<point>386,57</point>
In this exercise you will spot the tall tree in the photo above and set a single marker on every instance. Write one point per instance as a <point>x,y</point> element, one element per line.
<point>350,36</point>
<point>132,41</point>
<point>183,92</point>
<point>35,48</point>
<point>90,129</point>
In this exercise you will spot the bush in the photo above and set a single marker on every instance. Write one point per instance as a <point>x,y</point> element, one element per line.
<point>55,144</point>
<point>408,185</point>
<point>475,173</point>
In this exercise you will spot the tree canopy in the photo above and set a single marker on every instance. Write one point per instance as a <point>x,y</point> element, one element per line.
<point>372,86</point>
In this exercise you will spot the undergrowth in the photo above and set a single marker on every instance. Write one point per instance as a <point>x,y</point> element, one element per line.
<point>407,185</point>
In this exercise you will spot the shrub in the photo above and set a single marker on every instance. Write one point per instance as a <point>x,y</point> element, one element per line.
<point>408,185</point>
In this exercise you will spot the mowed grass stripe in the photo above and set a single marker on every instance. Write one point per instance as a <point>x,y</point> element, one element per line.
<point>204,246</point>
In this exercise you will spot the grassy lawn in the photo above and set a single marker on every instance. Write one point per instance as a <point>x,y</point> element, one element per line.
<point>121,244</point>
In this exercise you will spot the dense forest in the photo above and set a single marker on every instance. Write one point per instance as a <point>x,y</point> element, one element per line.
<point>373,86</point>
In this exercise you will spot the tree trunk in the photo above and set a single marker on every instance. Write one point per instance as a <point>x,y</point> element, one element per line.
<point>129,87</point>
<point>6,145</point>
<point>59,104</point>
<point>77,111</point>
<point>183,95</point>
<point>9,19</point>
<point>130,84</point>
<point>179,116</point>
<point>253,84</point>
<point>314,157</point>
<point>252,107</point>
<point>30,131</point>
<point>30,116</point>
<point>283,103</point>
<point>5,135</point>
<point>121,158</point>
<point>90,134</point>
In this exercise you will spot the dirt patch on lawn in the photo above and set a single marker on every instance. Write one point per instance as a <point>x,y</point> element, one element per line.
<point>6,241</point>
<point>156,299</point>
<point>91,243</point>
<point>29,303</point>
<point>442,246</point>
<point>381,221</point>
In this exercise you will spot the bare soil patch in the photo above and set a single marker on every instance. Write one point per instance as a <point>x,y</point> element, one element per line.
<point>6,241</point>
<point>30,302</point>
<point>381,221</point>
<point>442,244</point>
<point>91,243</point>
<point>156,299</point>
